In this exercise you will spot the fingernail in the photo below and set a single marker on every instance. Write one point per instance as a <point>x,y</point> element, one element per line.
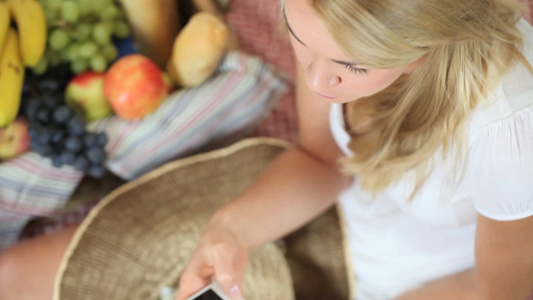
<point>235,291</point>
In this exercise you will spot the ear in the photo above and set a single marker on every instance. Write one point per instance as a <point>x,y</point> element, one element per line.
<point>412,66</point>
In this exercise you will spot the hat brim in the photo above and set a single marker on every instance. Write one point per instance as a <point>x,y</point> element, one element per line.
<point>139,238</point>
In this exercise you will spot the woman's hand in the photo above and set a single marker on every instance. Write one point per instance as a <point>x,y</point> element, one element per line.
<point>219,256</point>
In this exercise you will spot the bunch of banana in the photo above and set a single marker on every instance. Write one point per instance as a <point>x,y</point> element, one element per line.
<point>31,25</point>
<point>19,47</point>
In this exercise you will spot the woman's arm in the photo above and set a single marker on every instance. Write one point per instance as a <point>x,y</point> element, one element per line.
<point>300,184</point>
<point>504,266</point>
<point>504,258</point>
<point>294,189</point>
<point>297,186</point>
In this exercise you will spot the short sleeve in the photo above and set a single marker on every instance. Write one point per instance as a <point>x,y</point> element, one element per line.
<point>500,168</point>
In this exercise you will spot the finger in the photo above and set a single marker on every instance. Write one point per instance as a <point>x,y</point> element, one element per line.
<point>240,265</point>
<point>195,276</point>
<point>224,256</point>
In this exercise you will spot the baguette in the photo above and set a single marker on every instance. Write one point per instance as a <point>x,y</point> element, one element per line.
<point>155,25</point>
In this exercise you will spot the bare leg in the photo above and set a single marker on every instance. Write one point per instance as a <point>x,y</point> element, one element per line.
<point>27,270</point>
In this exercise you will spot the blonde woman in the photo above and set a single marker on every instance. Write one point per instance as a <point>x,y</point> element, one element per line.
<point>418,116</point>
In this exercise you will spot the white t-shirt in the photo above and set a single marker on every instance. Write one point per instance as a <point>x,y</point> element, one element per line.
<point>398,245</point>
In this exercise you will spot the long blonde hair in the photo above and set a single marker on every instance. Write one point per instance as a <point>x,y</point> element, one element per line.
<point>464,47</point>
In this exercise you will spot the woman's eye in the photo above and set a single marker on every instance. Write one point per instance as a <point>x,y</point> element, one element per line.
<point>356,70</point>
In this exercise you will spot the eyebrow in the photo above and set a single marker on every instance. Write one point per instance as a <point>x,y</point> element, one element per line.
<point>341,62</point>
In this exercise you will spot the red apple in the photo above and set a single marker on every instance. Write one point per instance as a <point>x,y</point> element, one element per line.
<point>14,139</point>
<point>85,94</point>
<point>134,87</point>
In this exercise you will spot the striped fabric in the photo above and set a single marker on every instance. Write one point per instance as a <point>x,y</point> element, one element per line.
<point>227,107</point>
<point>11,227</point>
<point>224,109</point>
<point>29,187</point>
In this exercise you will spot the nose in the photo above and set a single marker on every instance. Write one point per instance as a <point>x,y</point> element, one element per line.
<point>318,78</point>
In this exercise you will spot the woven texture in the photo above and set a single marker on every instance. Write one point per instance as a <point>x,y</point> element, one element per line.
<point>139,238</point>
<point>316,257</point>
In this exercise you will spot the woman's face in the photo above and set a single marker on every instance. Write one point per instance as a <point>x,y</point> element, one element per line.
<point>329,70</point>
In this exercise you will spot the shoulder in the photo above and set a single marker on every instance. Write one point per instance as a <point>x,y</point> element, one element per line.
<point>500,170</point>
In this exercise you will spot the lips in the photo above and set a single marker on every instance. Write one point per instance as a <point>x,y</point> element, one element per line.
<point>327,97</point>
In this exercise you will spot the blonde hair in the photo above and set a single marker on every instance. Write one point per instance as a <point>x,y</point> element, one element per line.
<point>464,47</point>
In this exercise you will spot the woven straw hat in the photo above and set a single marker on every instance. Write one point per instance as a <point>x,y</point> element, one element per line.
<point>138,239</point>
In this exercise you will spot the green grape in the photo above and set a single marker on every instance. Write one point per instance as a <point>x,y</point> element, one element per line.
<point>101,35</point>
<point>73,51</point>
<point>53,5</point>
<point>109,13</point>
<point>97,5</point>
<point>79,66</point>
<point>85,7</point>
<point>59,39</point>
<point>70,11</point>
<point>88,49</point>
<point>41,66</point>
<point>98,63</point>
<point>122,30</point>
<point>109,25</point>
<point>110,52</point>
<point>82,32</point>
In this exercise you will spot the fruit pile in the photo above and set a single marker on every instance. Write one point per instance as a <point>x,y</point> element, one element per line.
<point>33,112</point>
<point>81,32</point>
<point>56,130</point>
<point>59,70</point>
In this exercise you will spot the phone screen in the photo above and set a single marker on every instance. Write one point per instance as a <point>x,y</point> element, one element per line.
<point>208,295</point>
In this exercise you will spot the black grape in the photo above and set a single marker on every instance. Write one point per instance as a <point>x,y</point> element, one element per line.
<point>56,131</point>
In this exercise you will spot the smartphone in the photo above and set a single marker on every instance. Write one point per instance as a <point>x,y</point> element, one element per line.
<point>211,292</point>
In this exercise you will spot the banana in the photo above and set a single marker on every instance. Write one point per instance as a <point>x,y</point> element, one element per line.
<point>11,78</point>
<point>5,19</point>
<point>31,23</point>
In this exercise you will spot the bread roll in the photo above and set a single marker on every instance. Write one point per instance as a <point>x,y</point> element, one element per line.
<point>198,49</point>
